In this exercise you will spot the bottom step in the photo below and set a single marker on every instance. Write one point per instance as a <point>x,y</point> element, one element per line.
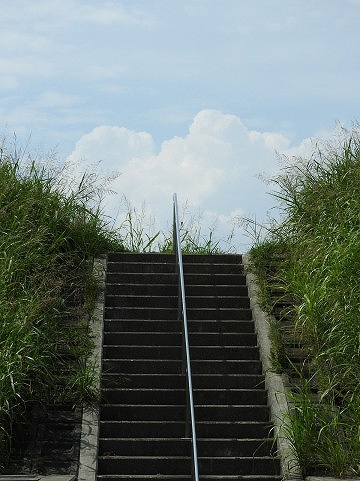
<point>126,477</point>
<point>182,465</point>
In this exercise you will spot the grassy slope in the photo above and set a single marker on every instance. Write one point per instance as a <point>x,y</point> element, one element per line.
<point>320,272</point>
<point>47,240</point>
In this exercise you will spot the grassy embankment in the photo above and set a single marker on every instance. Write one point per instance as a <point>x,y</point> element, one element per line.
<point>314,259</point>
<point>48,238</point>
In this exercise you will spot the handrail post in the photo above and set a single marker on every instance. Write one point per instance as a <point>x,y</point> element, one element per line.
<point>186,366</point>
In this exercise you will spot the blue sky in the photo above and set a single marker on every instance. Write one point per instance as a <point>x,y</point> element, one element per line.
<point>193,96</point>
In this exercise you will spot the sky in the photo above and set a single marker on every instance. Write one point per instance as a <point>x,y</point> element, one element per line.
<point>198,97</point>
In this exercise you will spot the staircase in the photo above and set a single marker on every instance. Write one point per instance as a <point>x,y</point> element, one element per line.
<point>142,418</point>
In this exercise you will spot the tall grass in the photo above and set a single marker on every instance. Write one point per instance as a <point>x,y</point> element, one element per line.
<point>48,237</point>
<point>139,233</point>
<point>50,230</point>
<point>319,245</point>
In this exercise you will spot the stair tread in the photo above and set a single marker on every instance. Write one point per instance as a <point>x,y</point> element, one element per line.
<point>202,346</point>
<point>184,457</point>
<point>146,389</point>
<point>184,477</point>
<point>116,421</point>
<point>201,439</point>
<point>179,360</point>
<point>173,477</point>
<point>196,405</point>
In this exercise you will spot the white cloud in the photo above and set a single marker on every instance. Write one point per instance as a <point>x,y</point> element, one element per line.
<point>214,167</point>
<point>114,144</point>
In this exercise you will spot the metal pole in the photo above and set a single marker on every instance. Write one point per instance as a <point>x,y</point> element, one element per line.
<point>186,348</point>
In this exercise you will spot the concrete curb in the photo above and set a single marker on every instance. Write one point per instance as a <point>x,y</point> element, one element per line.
<point>327,478</point>
<point>90,421</point>
<point>274,383</point>
<point>37,477</point>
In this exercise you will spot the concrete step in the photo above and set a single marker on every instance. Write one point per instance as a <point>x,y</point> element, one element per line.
<point>171,279</point>
<point>175,339</point>
<point>161,325</point>
<point>182,465</point>
<point>175,352</point>
<point>167,268</point>
<point>182,447</point>
<point>172,313</point>
<point>155,289</point>
<point>177,381</point>
<point>172,301</point>
<point>169,412</point>
<point>205,429</point>
<point>155,257</point>
<point>173,477</point>
<point>178,396</point>
<point>171,366</point>
<point>141,267</point>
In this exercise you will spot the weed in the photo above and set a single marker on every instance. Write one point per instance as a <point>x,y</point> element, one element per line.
<point>138,233</point>
<point>47,239</point>
<point>319,271</point>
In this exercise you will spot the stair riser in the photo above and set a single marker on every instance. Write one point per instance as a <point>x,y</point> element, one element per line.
<point>223,430</point>
<point>203,258</point>
<point>171,279</point>
<point>182,447</point>
<point>177,413</point>
<point>173,465</point>
<point>175,339</point>
<point>170,381</point>
<point>170,302</point>
<point>166,268</point>
<point>175,352</point>
<point>216,396</point>
<point>155,289</point>
<point>172,314</point>
<point>125,366</point>
<point>135,325</point>
<point>172,477</point>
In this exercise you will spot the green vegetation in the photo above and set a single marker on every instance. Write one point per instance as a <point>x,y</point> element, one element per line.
<point>50,232</point>
<point>312,259</point>
<point>138,234</point>
<point>48,237</point>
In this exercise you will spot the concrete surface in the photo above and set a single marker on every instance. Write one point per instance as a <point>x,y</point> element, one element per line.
<point>37,477</point>
<point>327,478</point>
<point>275,386</point>
<point>90,423</point>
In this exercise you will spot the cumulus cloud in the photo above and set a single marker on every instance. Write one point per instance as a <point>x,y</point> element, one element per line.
<point>215,168</point>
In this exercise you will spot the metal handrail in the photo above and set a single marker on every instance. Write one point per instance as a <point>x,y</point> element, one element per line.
<point>186,367</point>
